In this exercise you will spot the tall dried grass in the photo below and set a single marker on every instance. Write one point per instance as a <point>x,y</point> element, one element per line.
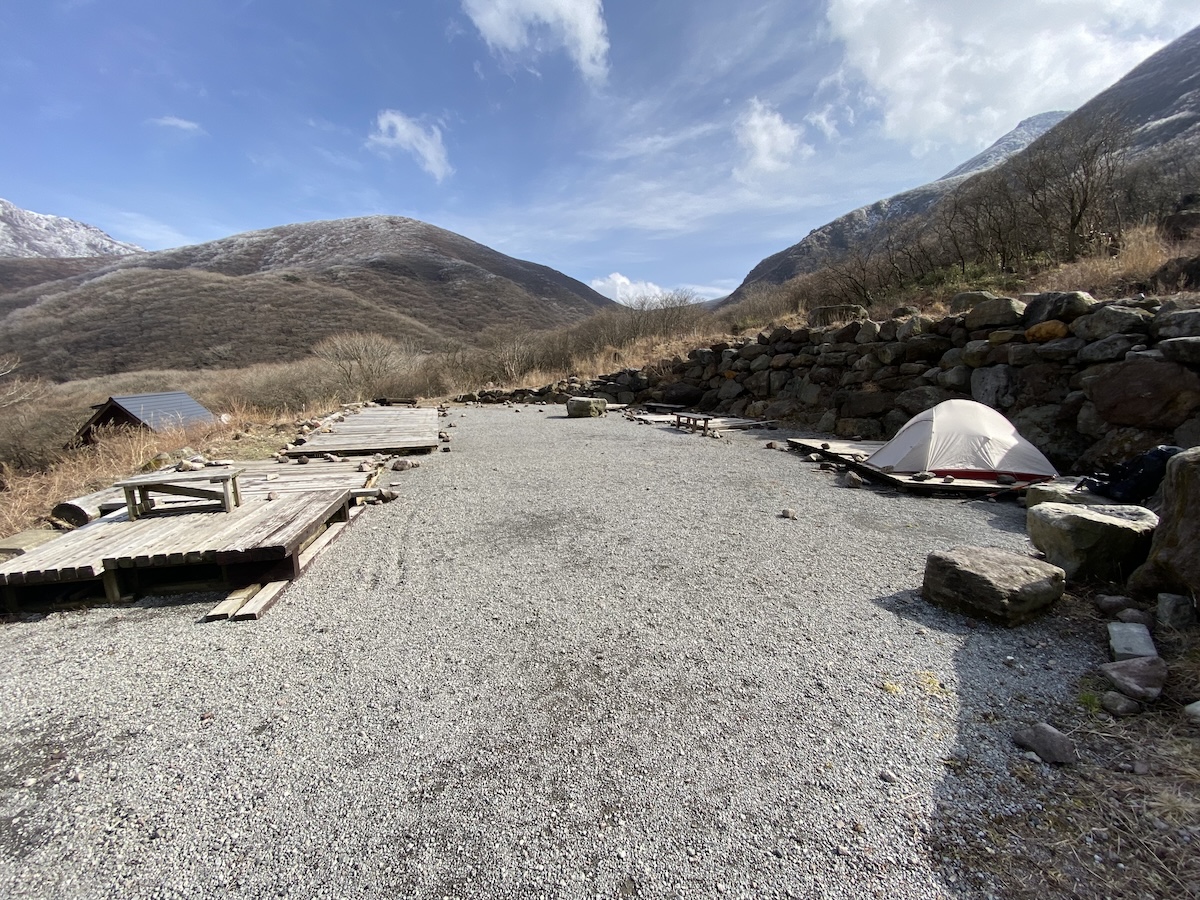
<point>1142,252</point>
<point>117,454</point>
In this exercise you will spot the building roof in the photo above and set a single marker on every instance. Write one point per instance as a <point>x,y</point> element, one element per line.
<point>158,412</point>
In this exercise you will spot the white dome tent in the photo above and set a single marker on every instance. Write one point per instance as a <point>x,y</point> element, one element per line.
<point>964,439</point>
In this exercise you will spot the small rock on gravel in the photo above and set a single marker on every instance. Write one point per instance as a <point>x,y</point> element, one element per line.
<point>1050,744</point>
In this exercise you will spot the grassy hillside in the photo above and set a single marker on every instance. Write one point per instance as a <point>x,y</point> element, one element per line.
<point>270,296</point>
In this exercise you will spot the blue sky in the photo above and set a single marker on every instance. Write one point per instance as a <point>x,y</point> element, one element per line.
<point>631,144</point>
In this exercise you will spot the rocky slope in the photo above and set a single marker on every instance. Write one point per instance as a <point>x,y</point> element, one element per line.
<point>268,296</point>
<point>29,234</point>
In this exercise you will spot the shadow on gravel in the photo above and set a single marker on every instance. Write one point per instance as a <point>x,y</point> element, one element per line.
<point>1002,680</point>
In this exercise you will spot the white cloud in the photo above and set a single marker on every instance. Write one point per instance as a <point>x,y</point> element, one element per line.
<point>824,121</point>
<point>394,130</point>
<point>175,122</point>
<point>624,290</point>
<point>770,143</point>
<point>952,72</point>
<point>535,26</point>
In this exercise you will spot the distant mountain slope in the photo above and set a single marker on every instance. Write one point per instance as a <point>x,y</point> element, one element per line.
<point>29,234</point>
<point>1158,100</point>
<point>860,224</point>
<point>1026,132</point>
<point>270,295</point>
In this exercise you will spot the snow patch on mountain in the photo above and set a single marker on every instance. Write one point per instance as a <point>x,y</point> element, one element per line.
<point>29,235</point>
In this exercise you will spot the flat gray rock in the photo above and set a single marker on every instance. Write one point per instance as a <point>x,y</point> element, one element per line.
<point>1142,678</point>
<point>1129,640</point>
<point>997,585</point>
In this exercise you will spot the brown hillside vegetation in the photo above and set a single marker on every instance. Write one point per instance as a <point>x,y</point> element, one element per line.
<point>269,296</point>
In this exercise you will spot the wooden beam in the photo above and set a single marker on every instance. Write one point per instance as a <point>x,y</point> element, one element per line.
<point>261,602</point>
<point>231,604</point>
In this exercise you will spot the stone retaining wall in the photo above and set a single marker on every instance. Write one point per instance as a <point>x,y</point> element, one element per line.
<point>1089,382</point>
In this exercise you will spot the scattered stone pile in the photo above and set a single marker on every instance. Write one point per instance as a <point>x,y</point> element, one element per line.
<point>1086,541</point>
<point>1089,382</point>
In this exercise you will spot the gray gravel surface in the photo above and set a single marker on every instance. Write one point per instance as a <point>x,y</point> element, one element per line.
<point>576,658</point>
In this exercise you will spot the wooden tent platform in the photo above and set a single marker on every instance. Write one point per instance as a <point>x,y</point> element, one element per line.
<point>261,539</point>
<point>853,454</point>
<point>649,418</point>
<point>387,429</point>
<point>706,422</point>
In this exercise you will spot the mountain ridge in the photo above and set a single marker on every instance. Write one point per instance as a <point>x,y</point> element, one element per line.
<point>837,236</point>
<point>270,295</point>
<point>25,234</point>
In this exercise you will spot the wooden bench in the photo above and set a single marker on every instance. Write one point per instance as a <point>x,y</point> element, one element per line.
<point>181,484</point>
<point>692,421</point>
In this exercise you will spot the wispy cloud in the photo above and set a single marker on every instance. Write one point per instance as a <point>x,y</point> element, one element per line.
<point>396,131</point>
<point>530,27</point>
<point>770,144</point>
<point>955,73</point>
<point>174,122</point>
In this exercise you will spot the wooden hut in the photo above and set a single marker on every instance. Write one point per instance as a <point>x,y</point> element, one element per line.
<point>158,412</point>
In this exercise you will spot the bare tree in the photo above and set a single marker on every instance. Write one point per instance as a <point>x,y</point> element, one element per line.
<point>362,361</point>
<point>16,390</point>
<point>1068,176</point>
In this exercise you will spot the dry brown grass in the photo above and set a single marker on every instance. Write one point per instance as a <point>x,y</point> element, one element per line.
<point>249,433</point>
<point>1143,251</point>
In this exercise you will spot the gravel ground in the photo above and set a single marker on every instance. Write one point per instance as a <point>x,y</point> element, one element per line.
<point>576,658</point>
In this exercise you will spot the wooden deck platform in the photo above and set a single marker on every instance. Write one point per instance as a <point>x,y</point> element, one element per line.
<point>853,454</point>
<point>388,429</point>
<point>261,539</point>
<point>706,422</point>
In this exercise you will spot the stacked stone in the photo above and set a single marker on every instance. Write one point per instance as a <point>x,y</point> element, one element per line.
<point>1089,382</point>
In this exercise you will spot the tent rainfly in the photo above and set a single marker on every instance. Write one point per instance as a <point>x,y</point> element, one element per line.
<point>158,412</point>
<point>964,439</point>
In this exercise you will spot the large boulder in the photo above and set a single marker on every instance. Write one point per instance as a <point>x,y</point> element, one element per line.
<point>967,300</point>
<point>1111,320</point>
<point>1066,306</point>
<point>1177,323</point>
<point>1050,330</point>
<point>998,312</point>
<point>682,393</point>
<point>1109,349</point>
<point>586,407</point>
<point>992,584</point>
<point>1174,561</point>
<point>993,386</point>
<point>1184,350</point>
<point>1061,490</point>
<point>1092,541</point>
<point>1145,393</point>
<point>919,399</point>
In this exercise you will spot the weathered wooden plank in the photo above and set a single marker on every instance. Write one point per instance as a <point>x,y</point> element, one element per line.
<point>231,604</point>
<point>261,602</point>
<point>314,549</point>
